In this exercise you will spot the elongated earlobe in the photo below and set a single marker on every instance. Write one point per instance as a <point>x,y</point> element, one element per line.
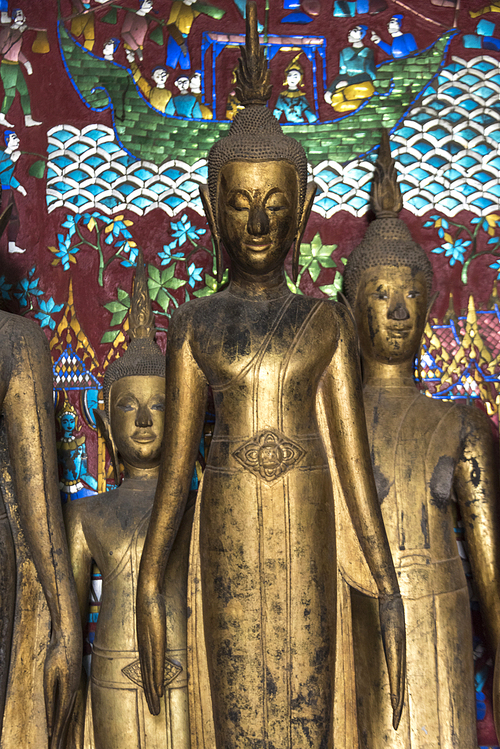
<point>102,421</point>
<point>207,207</point>
<point>308,204</point>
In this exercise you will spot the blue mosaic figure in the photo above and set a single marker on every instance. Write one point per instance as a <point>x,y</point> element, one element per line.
<point>348,9</point>
<point>72,458</point>
<point>9,184</point>
<point>184,104</point>
<point>354,82</point>
<point>179,23</point>
<point>402,44</point>
<point>292,103</point>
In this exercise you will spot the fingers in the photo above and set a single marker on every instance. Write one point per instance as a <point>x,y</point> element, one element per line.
<point>50,698</point>
<point>148,677</point>
<point>398,694</point>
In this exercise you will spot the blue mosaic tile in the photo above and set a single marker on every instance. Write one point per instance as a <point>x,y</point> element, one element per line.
<point>419,173</point>
<point>95,189</point>
<point>126,159</point>
<point>357,202</point>
<point>94,161</point>
<point>468,104</point>
<point>436,161</point>
<point>467,161</point>
<point>340,189</point>
<point>62,161</point>
<point>158,188</point>
<point>465,189</point>
<point>126,188</point>
<point>449,203</point>
<point>51,173</point>
<point>109,175</point>
<point>78,200</point>
<point>482,203</point>
<point>78,148</point>
<point>327,175</point>
<point>452,174</point>
<point>190,186</point>
<point>62,187</point>
<point>111,147</point>
<point>173,201</point>
<point>110,202</point>
<point>470,79</point>
<point>484,66</point>
<point>172,174</point>
<point>455,92</point>
<point>468,133</point>
<point>326,204</point>
<point>64,135</point>
<point>143,174</point>
<point>422,117</point>
<point>418,201</point>
<point>423,146</point>
<point>202,171</point>
<point>407,158</point>
<point>483,177</point>
<point>406,132</point>
<point>435,188</point>
<point>95,134</point>
<point>439,132</point>
<point>453,117</point>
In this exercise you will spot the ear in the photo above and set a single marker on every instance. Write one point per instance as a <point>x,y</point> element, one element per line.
<point>306,212</point>
<point>104,426</point>
<point>207,207</point>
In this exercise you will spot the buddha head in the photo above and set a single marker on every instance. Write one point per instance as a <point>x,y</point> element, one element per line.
<point>388,277</point>
<point>134,391</point>
<point>257,201</point>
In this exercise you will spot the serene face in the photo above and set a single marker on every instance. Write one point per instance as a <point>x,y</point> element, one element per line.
<point>355,35</point>
<point>19,18</point>
<point>293,79</point>
<point>393,26</point>
<point>390,312</point>
<point>183,85</point>
<point>258,213</point>
<point>67,424</point>
<point>137,413</point>
<point>160,78</point>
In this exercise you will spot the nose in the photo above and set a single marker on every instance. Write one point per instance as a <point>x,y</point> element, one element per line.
<point>143,418</point>
<point>258,222</point>
<point>398,311</point>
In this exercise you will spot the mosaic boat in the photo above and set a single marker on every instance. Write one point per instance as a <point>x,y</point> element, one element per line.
<point>146,133</point>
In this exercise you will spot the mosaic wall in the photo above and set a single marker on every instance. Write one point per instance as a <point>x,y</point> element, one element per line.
<point>109,108</point>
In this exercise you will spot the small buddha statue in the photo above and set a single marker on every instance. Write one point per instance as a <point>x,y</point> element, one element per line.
<point>110,529</point>
<point>265,520</point>
<point>39,656</point>
<point>427,454</point>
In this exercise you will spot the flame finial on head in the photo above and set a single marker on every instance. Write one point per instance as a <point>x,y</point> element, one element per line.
<point>386,195</point>
<point>252,76</point>
<point>141,320</point>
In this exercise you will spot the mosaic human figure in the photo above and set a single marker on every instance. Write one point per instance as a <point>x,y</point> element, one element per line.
<point>109,48</point>
<point>11,41</point>
<point>427,454</point>
<point>135,28</point>
<point>157,93</point>
<point>8,159</point>
<point>402,44</point>
<point>184,104</point>
<point>292,103</point>
<point>195,88</point>
<point>179,24</point>
<point>110,528</point>
<point>354,82</point>
<point>72,458</point>
<point>233,104</point>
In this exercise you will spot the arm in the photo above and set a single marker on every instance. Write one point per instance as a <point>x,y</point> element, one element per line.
<point>143,84</point>
<point>29,415</point>
<point>342,419</point>
<point>370,64</point>
<point>81,564</point>
<point>410,42</point>
<point>476,488</point>
<point>185,400</point>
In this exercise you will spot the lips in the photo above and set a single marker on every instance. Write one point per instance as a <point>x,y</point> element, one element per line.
<point>144,437</point>
<point>257,246</point>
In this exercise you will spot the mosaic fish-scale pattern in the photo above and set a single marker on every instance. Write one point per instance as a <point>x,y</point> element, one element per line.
<point>447,153</point>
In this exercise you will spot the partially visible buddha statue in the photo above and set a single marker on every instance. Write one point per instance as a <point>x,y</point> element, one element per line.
<point>265,521</point>
<point>38,654</point>
<point>427,454</point>
<point>110,528</point>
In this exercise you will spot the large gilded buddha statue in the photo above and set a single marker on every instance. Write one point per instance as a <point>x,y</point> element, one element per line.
<point>110,528</point>
<point>427,455</point>
<point>278,365</point>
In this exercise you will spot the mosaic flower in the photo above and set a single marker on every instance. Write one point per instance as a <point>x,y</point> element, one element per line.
<point>64,253</point>
<point>489,223</point>
<point>439,223</point>
<point>496,266</point>
<point>194,275</point>
<point>90,219</point>
<point>167,256</point>
<point>131,249</point>
<point>5,288</point>
<point>47,309</point>
<point>184,230</point>
<point>70,223</point>
<point>26,287</point>
<point>116,227</point>
<point>454,250</point>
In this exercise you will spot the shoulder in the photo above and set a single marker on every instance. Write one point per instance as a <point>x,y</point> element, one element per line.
<point>86,511</point>
<point>23,330</point>
<point>474,422</point>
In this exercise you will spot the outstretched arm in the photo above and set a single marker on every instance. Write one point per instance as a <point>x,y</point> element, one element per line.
<point>341,413</point>
<point>476,488</point>
<point>30,428</point>
<point>185,400</point>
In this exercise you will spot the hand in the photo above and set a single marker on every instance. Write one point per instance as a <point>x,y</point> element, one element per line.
<point>184,49</point>
<point>328,97</point>
<point>341,84</point>
<point>22,190</point>
<point>151,635</point>
<point>28,67</point>
<point>15,155</point>
<point>61,677</point>
<point>392,626</point>
<point>375,37</point>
